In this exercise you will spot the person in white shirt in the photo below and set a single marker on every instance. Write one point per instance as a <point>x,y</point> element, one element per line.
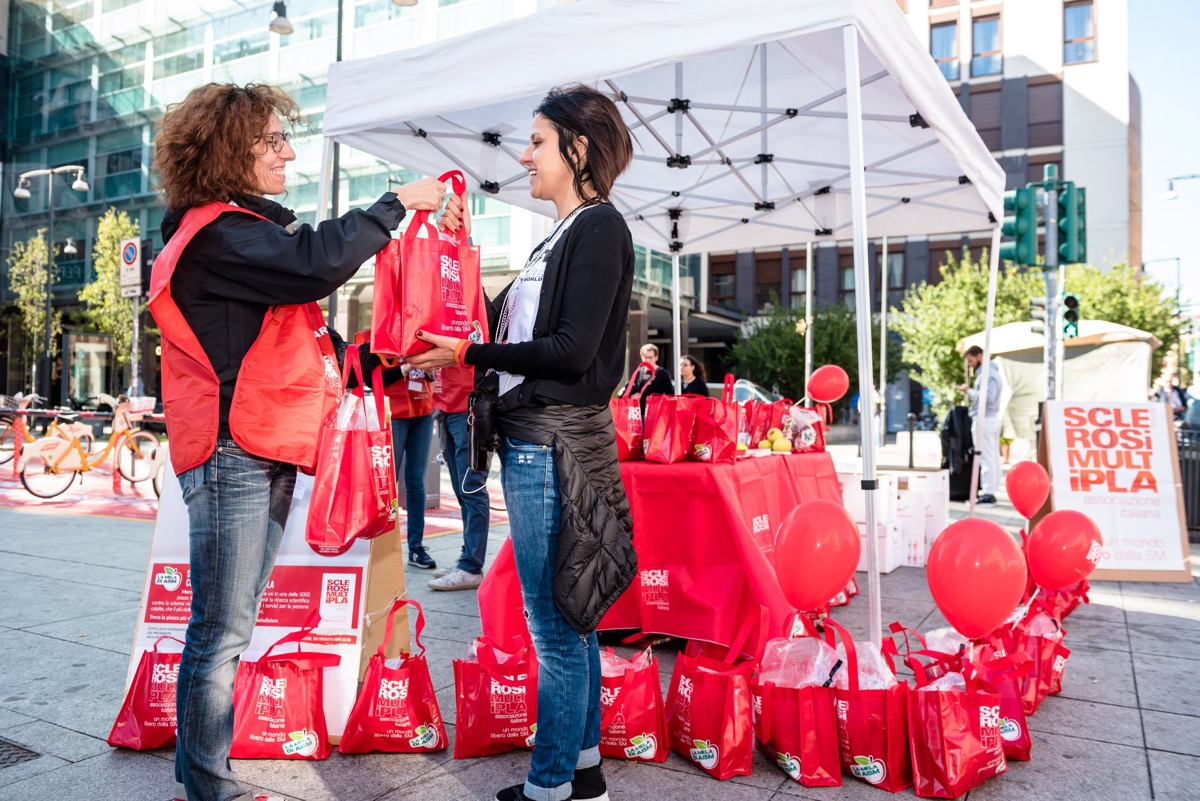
<point>989,433</point>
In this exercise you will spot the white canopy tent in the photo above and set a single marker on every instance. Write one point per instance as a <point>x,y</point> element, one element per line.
<point>764,124</point>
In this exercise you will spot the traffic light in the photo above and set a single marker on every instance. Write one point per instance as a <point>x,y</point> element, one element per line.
<point>1072,224</point>
<point>1020,222</point>
<point>1037,313</point>
<point>1070,306</point>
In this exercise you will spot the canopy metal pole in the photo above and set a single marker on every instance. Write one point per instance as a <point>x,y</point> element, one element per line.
<point>883,295</point>
<point>323,183</point>
<point>985,365</point>
<point>676,332</point>
<point>808,319</point>
<point>862,302</point>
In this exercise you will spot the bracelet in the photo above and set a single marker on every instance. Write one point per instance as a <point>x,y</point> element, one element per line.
<point>460,351</point>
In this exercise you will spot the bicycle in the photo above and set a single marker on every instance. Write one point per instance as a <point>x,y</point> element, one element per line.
<point>8,430</point>
<point>48,466</point>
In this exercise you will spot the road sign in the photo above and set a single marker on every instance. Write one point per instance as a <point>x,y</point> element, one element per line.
<point>131,268</point>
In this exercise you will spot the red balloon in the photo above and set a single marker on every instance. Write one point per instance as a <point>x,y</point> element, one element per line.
<point>827,384</point>
<point>1028,486</point>
<point>1063,549</point>
<point>976,573</point>
<point>816,552</point>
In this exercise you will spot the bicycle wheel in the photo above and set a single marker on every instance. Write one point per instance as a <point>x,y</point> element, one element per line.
<point>7,442</point>
<point>43,480</point>
<point>136,460</point>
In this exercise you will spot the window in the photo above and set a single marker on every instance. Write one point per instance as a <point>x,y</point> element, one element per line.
<point>846,278</point>
<point>1045,114</point>
<point>943,46</point>
<point>986,114</point>
<point>240,48</point>
<point>1079,33</point>
<point>895,276</point>
<point>985,47</point>
<point>721,268</point>
<point>768,275</point>
<point>722,288</point>
<point>799,286</point>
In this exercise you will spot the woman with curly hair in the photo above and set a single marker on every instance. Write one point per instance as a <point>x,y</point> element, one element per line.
<point>249,372</point>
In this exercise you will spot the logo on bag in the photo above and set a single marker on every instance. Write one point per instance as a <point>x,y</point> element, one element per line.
<point>989,726</point>
<point>323,331</point>
<point>790,765</point>
<point>869,769</point>
<point>685,689</point>
<point>608,696</point>
<point>655,586</point>
<point>452,291</point>
<point>532,738</point>
<point>1060,664</point>
<point>509,699</point>
<point>301,743</point>
<point>1094,553</point>
<point>760,524</point>
<point>392,693</point>
<point>163,681</point>
<point>270,698</point>
<point>642,746</point>
<point>476,335</point>
<point>1010,730</point>
<point>704,754</point>
<point>381,457</point>
<point>427,737</point>
<point>756,707</point>
<point>170,579</point>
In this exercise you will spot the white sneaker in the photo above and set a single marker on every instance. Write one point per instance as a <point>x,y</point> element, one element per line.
<point>441,571</point>
<point>457,579</point>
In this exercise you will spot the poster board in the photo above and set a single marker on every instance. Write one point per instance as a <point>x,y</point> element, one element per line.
<point>353,592</point>
<point>1118,464</point>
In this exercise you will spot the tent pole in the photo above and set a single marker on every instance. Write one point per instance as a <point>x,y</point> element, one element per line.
<point>808,318</point>
<point>862,302</point>
<point>993,271</point>
<point>323,182</point>
<point>883,295</point>
<point>676,328</point>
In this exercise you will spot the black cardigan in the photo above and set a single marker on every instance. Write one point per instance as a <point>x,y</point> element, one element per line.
<point>577,355</point>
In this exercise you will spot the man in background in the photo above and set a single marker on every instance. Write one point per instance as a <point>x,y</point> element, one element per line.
<point>988,442</point>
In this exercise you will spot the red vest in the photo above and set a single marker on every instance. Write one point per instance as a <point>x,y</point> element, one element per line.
<point>287,386</point>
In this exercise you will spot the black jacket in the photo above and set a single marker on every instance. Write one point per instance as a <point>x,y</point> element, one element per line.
<point>238,266</point>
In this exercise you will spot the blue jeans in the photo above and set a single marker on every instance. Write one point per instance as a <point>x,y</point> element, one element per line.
<point>411,438</point>
<point>568,732</point>
<point>237,508</point>
<point>470,487</point>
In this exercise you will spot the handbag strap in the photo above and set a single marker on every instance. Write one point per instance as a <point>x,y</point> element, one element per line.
<point>495,668</point>
<point>420,220</point>
<point>399,604</point>
<point>834,632</point>
<point>353,366</point>
<point>727,391</point>
<point>154,647</point>
<point>316,659</point>
<point>629,386</point>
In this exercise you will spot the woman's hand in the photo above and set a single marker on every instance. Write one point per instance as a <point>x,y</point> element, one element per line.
<point>441,355</point>
<point>456,216</point>
<point>426,194</point>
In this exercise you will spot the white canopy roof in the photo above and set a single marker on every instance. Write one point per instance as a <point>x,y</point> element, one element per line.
<point>750,97</point>
<point>1020,336</point>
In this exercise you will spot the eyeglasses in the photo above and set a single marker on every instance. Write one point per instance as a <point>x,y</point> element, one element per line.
<point>276,140</point>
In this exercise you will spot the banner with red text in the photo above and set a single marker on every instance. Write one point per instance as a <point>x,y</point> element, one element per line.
<point>301,581</point>
<point>1117,463</point>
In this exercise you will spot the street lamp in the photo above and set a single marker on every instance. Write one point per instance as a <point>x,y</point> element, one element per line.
<point>21,192</point>
<point>280,24</point>
<point>1171,194</point>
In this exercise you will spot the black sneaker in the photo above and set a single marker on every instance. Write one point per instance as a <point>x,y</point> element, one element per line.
<point>514,793</point>
<point>985,500</point>
<point>588,785</point>
<point>419,557</point>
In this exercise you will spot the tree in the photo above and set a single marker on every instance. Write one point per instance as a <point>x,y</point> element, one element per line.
<point>27,266</point>
<point>770,350</point>
<point>110,313</point>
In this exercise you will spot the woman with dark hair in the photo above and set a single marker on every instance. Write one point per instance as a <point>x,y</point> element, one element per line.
<point>691,375</point>
<point>559,336</point>
<point>249,373</point>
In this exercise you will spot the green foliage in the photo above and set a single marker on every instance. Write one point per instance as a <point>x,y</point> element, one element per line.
<point>770,350</point>
<point>27,281</point>
<point>110,313</point>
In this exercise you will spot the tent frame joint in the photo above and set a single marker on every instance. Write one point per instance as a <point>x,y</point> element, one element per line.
<point>678,105</point>
<point>679,162</point>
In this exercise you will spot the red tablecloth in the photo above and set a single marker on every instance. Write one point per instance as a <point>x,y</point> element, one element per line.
<point>704,536</point>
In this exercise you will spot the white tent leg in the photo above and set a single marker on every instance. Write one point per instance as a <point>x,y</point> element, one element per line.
<point>808,318</point>
<point>883,313</point>
<point>323,182</point>
<point>676,328</point>
<point>985,365</point>
<point>862,303</point>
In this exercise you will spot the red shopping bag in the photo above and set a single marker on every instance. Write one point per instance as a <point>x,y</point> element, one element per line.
<point>627,419</point>
<point>354,493</point>
<point>717,422</point>
<point>496,694</point>
<point>872,725</point>
<point>279,702</point>
<point>147,717</point>
<point>451,387</point>
<point>1061,603</point>
<point>397,711</point>
<point>633,722</point>
<point>1046,652</point>
<point>805,428</point>
<point>1002,674</point>
<point>765,417</point>
<point>670,427</point>
<point>709,714</point>
<point>427,284</point>
<point>954,739</point>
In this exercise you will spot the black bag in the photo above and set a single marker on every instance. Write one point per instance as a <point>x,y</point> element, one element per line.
<point>958,450</point>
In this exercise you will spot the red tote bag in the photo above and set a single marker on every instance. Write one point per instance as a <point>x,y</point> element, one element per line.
<point>717,423</point>
<point>797,730</point>
<point>872,725</point>
<point>279,702</point>
<point>496,694</point>
<point>627,419</point>
<point>354,491</point>
<point>954,739</point>
<point>427,284</point>
<point>397,711</point>
<point>147,717</point>
<point>670,427</point>
<point>633,719</point>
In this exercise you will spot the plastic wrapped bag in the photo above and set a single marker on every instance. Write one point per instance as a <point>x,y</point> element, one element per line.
<point>802,662</point>
<point>946,641</point>
<point>951,682</point>
<point>873,670</point>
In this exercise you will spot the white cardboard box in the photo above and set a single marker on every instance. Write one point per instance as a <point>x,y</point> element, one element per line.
<point>910,512</point>
<point>855,499</point>
<point>889,545</point>
<point>931,490</point>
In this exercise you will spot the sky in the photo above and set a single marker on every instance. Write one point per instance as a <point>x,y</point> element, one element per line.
<point>1165,62</point>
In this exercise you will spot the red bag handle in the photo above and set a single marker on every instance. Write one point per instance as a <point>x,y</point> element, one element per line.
<point>154,647</point>
<point>353,365</point>
<point>833,632</point>
<point>727,392</point>
<point>493,667</point>
<point>458,185</point>
<point>629,386</point>
<point>766,692</point>
<point>315,659</point>
<point>399,604</point>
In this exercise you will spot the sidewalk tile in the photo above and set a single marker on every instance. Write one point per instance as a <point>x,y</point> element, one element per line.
<point>91,575</point>
<point>8,719</point>
<point>1084,627</point>
<point>30,600</point>
<point>1164,641</point>
<point>1167,684</point>
<point>1170,591</point>
<point>361,776</point>
<point>84,549</point>
<point>460,628</point>
<point>1174,776</point>
<point>1071,769</point>
<point>1142,610</point>
<point>1099,675</point>
<point>465,779</point>
<point>1087,720</point>
<point>46,738</point>
<point>109,631</point>
<point>1172,732</point>
<point>13,785</point>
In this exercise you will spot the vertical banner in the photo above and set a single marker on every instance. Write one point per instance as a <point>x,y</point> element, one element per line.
<point>301,581</point>
<point>1117,463</point>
